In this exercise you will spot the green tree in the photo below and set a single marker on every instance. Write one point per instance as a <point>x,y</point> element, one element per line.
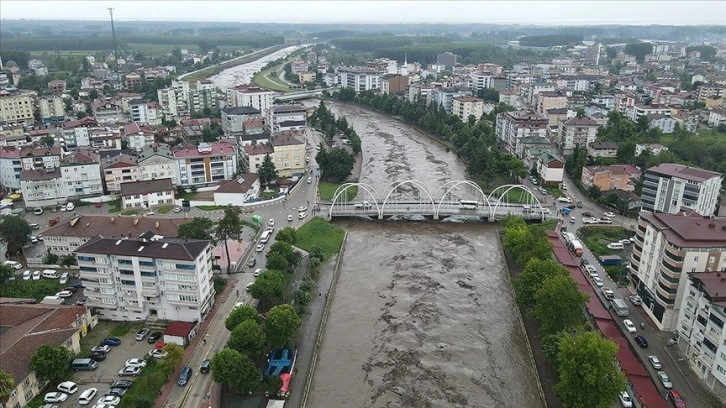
<point>239,314</point>
<point>229,228</point>
<point>558,304</point>
<point>277,261</point>
<point>531,278</point>
<point>47,141</point>
<point>235,371</point>
<point>248,339</point>
<point>594,192</point>
<point>174,355</point>
<point>6,272</point>
<point>7,385</point>
<point>197,228</point>
<point>47,360</point>
<point>272,385</point>
<point>639,50</point>
<point>267,172</point>
<point>336,165</point>
<point>281,325</point>
<point>589,376</point>
<point>551,346</point>
<point>268,287</point>
<point>15,231</point>
<point>286,234</point>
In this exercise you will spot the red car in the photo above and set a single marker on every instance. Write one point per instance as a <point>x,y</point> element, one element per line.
<point>675,397</point>
<point>99,204</point>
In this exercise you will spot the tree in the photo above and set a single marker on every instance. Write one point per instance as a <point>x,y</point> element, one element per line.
<point>47,141</point>
<point>639,50</point>
<point>589,375</point>
<point>229,227</point>
<point>239,314</point>
<point>7,385</point>
<point>248,339</point>
<point>286,234</point>
<point>6,272</point>
<point>174,355</point>
<point>235,371</point>
<point>335,165</point>
<point>268,287</point>
<point>272,385</point>
<point>277,261</point>
<point>46,361</point>
<point>267,172</point>
<point>281,325</point>
<point>15,231</point>
<point>197,228</point>
<point>559,304</point>
<point>594,192</point>
<point>531,278</point>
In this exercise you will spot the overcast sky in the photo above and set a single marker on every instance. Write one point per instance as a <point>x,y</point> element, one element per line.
<point>305,11</point>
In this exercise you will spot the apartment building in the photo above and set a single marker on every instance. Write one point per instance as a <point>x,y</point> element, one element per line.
<point>146,194</point>
<point>602,149</point>
<point>146,113</point>
<point>281,118</point>
<point>444,96</point>
<point>250,96</point>
<point>664,123</point>
<point>637,110</point>
<point>666,250</point>
<point>675,188</point>
<point>710,90</point>
<point>289,154</point>
<point>394,84</point>
<point>76,132</point>
<point>606,178</point>
<point>40,157</point>
<point>577,131</point>
<point>481,80</point>
<point>108,111</point>
<point>360,79</point>
<point>52,109</point>
<point>467,105</point>
<point>120,169</point>
<point>206,164</point>
<point>42,187</point>
<point>174,100</point>
<point>255,154</point>
<point>157,162</point>
<point>16,106</point>
<point>546,100</point>
<point>137,278</point>
<point>233,119</point>
<point>512,126</point>
<point>10,168</point>
<point>81,174</point>
<point>701,327</point>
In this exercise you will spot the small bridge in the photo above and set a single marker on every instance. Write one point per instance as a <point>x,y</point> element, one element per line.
<point>297,95</point>
<point>455,198</point>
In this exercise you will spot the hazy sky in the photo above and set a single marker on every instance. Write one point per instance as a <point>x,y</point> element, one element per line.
<point>304,11</point>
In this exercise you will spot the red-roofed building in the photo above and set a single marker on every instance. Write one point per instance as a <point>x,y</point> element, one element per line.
<point>207,163</point>
<point>181,333</point>
<point>10,168</point>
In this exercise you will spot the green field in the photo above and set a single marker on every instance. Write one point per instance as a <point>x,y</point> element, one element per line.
<point>327,191</point>
<point>318,232</point>
<point>264,80</point>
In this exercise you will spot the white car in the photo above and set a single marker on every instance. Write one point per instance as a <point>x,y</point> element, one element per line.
<point>38,211</point>
<point>625,400</point>
<point>64,294</point>
<point>609,214</point>
<point>87,396</point>
<point>630,326</point>
<point>609,294</point>
<point>135,362</point>
<point>249,286</point>
<point>36,275</point>
<point>310,180</point>
<point>625,241</point>
<point>33,239</point>
<point>271,222</point>
<point>55,397</point>
<point>26,275</point>
<point>70,207</point>
<point>13,264</point>
<point>663,377</point>
<point>598,281</point>
<point>591,270</point>
<point>68,387</point>
<point>257,272</point>
<point>567,200</point>
<point>615,245</point>
<point>110,400</point>
<point>655,362</point>
<point>156,353</point>
<point>260,247</point>
<point>589,220</point>
<point>177,210</point>
<point>101,349</point>
<point>302,209</point>
<point>129,371</point>
<point>289,217</point>
<point>302,215</point>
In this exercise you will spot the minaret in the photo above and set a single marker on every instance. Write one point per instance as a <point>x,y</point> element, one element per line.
<point>405,60</point>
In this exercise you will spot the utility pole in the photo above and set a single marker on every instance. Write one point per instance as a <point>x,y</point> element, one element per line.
<point>113,33</point>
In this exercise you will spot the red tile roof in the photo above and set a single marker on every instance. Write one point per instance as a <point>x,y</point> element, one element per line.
<point>181,329</point>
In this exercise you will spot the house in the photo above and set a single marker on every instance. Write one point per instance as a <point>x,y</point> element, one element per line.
<point>147,194</point>
<point>654,149</point>
<point>66,236</point>
<point>256,153</point>
<point>602,149</point>
<point>675,188</point>
<point>181,333</point>
<point>716,117</point>
<point>578,131</point>
<point>138,137</point>
<point>120,169</point>
<point>546,162</point>
<point>239,191</point>
<point>665,123</point>
<point>281,118</point>
<point>147,277</point>
<point>10,168</point>
<point>631,199</point>
<point>27,326</point>
<point>467,105</point>
<point>206,164</point>
<point>614,177</point>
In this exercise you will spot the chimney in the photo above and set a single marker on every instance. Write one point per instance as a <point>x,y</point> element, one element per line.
<point>113,219</point>
<point>156,224</point>
<point>136,220</point>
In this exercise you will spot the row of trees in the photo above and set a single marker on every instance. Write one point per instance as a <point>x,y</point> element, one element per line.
<point>325,122</point>
<point>473,140</point>
<point>545,290</point>
<point>335,164</point>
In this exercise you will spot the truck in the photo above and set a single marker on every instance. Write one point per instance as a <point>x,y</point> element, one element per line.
<point>576,247</point>
<point>610,260</point>
<point>620,307</point>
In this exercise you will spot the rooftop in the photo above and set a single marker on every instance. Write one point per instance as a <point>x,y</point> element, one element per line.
<point>80,157</point>
<point>89,226</point>
<point>693,231</point>
<point>241,185</point>
<point>40,174</point>
<point>684,172</point>
<point>165,248</point>
<point>257,149</point>
<point>241,110</point>
<point>289,108</point>
<point>713,283</point>
<point>146,187</point>
<point>285,140</point>
<point>215,149</point>
<point>580,121</point>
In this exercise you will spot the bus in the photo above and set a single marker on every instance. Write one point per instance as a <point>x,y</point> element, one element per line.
<point>469,204</point>
<point>265,236</point>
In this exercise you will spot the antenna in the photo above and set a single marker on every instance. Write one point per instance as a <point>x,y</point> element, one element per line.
<point>113,33</point>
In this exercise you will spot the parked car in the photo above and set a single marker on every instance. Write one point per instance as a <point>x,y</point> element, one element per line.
<point>257,272</point>
<point>109,399</point>
<point>101,348</point>
<point>252,262</point>
<point>598,281</point>
<point>249,286</point>
<point>642,342</point>
<point>591,270</point>
<point>609,214</point>
<point>36,275</point>
<point>302,215</point>
<point>97,356</point>
<point>303,208</point>
<point>156,353</point>
<point>99,204</point>
<point>579,204</point>
<point>81,301</point>
<point>122,384</point>
<point>629,326</point>
<point>68,387</point>
<point>608,293</point>
<point>55,397</point>
<point>625,399</point>
<point>38,211</point>
<point>625,241</point>
<point>663,377</point>
<point>129,371</point>
<point>33,239</point>
<point>87,396</point>
<point>615,245</point>
<point>141,334</point>
<point>655,362</point>
<point>177,210</point>
<point>154,337</point>
<point>675,397</point>
<point>289,217</point>
<point>119,392</point>
<point>271,222</point>
<point>636,300</point>
<point>260,247</point>
<point>64,294</point>
<point>135,362</point>
<point>111,341</point>
<point>34,226</point>
<point>26,275</point>
<point>205,367</point>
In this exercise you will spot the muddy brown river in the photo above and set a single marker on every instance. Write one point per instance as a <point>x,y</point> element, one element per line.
<point>423,313</point>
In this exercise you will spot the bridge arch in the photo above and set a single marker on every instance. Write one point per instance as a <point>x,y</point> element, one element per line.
<point>505,189</point>
<point>454,184</point>
<point>415,183</point>
<point>345,186</point>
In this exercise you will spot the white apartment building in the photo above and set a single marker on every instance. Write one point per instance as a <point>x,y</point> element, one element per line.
<point>144,112</point>
<point>465,106</point>
<point>206,164</point>
<point>10,168</point>
<point>701,327</point>
<point>515,125</point>
<point>667,248</point>
<point>42,187</point>
<point>174,100</point>
<point>635,111</point>
<point>40,157</point>
<point>481,80</point>
<point>157,162</point>
<point>360,79</point>
<point>147,194</point>
<point>81,174</point>
<point>16,106</point>
<point>119,169</point>
<point>137,278</point>
<point>675,188</point>
<point>577,131</point>
<point>76,132</point>
<point>282,118</point>
<point>51,107</point>
<point>250,96</point>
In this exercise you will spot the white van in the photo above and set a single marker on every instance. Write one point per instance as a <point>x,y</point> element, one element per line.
<point>50,274</point>
<point>615,245</point>
<point>13,264</point>
<point>64,278</point>
<point>265,236</point>
<point>70,207</point>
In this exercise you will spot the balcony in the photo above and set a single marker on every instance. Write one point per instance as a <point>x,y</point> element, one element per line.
<point>150,292</point>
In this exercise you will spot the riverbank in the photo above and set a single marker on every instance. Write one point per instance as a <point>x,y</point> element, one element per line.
<point>263,79</point>
<point>207,72</point>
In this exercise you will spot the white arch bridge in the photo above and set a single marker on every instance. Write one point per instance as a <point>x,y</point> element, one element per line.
<point>414,198</point>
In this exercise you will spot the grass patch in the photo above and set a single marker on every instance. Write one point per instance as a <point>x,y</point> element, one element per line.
<point>597,238</point>
<point>130,212</point>
<point>318,232</point>
<point>120,330</point>
<point>263,80</point>
<point>211,207</point>
<point>114,206</point>
<point>219,284</point>
<point>147,385</point>
<point>37,290</point>
<point>327,191</point>
<point>166,209</point>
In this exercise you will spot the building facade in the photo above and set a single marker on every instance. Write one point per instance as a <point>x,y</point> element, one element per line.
<point>674,188</point>
<point>147,194</point>
<point>120,169</point>
<point>10,168</point>
<point>578,131</point>
<point>158,162</point>
<point>281,118</point>
<point>250,96</point>
<point>16,106</point>
<point>206,164</point>
<point>511,127</point>
<point>360,79</point>
<point>465,106</point>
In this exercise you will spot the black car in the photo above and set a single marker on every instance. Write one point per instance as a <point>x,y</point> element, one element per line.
<point>642,342</point>
<point>119,392</point>
<point>77,285</point>
<point>98,356</point>
<point>205,367</point>
<point>584,262</point>
<point>122,384</point>
<point>579,204</point>
<point>154,337</point>
<point>252,263</point>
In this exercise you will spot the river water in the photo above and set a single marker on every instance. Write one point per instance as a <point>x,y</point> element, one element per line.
<point>422,314</point>
<point>242,74</point>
